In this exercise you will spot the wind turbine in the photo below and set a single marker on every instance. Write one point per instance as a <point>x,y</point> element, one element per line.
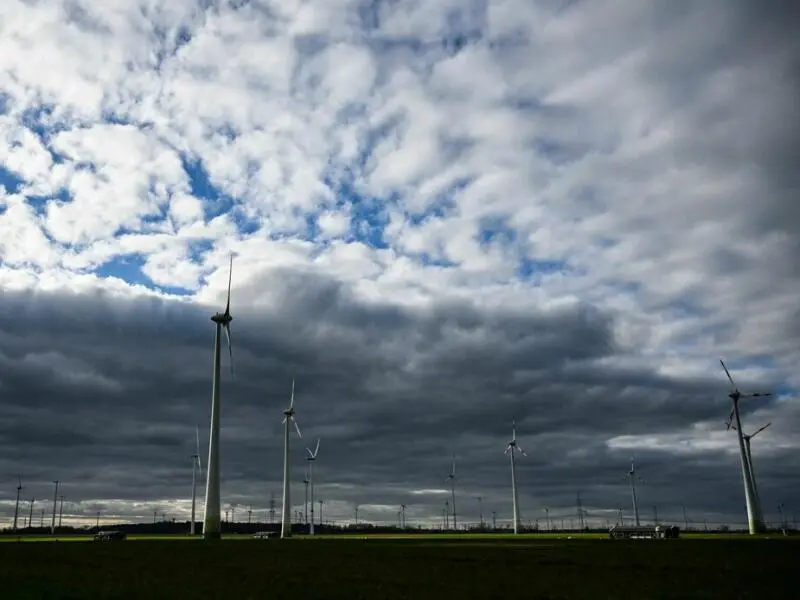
<point>510,449</point>
<point>312,456</point>
<point>197,466</point>
<point>452,478</point>
<point>747,439</point>
<point>55,501</point>
<point>211,517</point>
<point>16,506</point>
<point>632,477</point>
<point>288,415</point>
<point>754,522</point>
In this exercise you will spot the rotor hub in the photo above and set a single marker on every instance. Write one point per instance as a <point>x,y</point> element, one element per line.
<point>222,318</point>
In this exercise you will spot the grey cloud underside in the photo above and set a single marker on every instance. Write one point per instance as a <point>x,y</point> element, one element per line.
<point>104,393</point>
<point>392,393</point>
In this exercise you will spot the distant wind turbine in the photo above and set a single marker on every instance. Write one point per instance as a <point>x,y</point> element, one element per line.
<point>452,478</point>
<point>286,518</point>
<point>16,506</point>
<point>747,439</point>
<point>211,518</point>
<point>197,468</point>
<point>510,449</point>
<point>754,522</point>
<point>633,477</point>
<point>311,458</point>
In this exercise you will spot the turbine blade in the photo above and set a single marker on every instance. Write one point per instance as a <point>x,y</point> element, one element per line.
<point>230,278</point>
<point>291,403</point>
<point>733,385</point>
<point>310,455</point>
<point>316,449</point>
<point>508,449</point>
<point>199,459</point>
<point>757,395</point>
<point>513,429</point>
<point>730,421</point>
<point>521,451</point>
<point>760,429</point>
<point>227,328</point>
<point>297,427</point>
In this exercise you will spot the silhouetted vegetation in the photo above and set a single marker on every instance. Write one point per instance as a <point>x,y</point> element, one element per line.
<point>417,567</point>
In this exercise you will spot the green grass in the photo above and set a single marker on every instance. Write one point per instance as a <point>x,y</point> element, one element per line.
<point>386,568</point>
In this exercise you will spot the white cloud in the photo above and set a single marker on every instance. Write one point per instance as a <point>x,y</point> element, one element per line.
<point>625,142</point>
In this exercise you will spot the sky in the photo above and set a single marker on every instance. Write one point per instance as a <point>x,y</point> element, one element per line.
<point>445,214</point>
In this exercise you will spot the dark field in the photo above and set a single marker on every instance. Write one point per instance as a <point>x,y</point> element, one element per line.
<point>406,568</point>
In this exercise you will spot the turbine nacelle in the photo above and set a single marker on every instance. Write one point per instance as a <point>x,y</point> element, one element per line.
<point>288,414</point>
<point>224,319</point>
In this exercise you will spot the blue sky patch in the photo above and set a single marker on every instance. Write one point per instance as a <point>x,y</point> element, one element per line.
<point>528,267</point>
<point>496,230</point>
<point>10,180</point>
<point>129,268</point>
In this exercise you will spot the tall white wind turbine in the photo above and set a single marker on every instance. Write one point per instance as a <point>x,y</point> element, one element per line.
<point>211,517</point>
<point>16,505</point>
<point>510,449</point>
<point>311,458</point>
<point>286,517</point>
<point>452,478</point>
<point>754,522</point>
<point>197,468</point>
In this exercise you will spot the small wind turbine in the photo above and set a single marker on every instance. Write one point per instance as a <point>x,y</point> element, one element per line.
<point>16,506</point>
<point>633,477</point>
<point>288,416</point>
<point>510,449</point>
<point>754,522</point>
<point>312,456</point>
<point>452,478</point>
<point>197,467</point>
<point>55,501</point>
<point>211,517</point>
<point>747,439</point>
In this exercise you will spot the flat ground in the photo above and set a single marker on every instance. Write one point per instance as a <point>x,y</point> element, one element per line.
<point>412,567</point>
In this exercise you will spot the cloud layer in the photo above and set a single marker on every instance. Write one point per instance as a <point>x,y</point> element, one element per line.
<point>445,214</point>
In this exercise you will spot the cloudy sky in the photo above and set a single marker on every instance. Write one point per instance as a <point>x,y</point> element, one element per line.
<point>445,213</point>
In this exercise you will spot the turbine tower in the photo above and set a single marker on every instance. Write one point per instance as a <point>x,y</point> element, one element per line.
<point>754,521</point>
<point>16,506</point>
<point>452,478</point>
<point>312,456</point>
<point>633,477</point>
<point>306,481</point>
<point>211,516</point>
<point>197,467</point>
<point>510,449</point>
<point>55,501</point>
<point>286,519</point>
<point>747,439</point>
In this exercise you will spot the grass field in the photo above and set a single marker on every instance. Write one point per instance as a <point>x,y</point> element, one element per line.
<point>388,567</point>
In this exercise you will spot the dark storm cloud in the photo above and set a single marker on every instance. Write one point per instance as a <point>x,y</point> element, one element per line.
<point>104,394</point>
